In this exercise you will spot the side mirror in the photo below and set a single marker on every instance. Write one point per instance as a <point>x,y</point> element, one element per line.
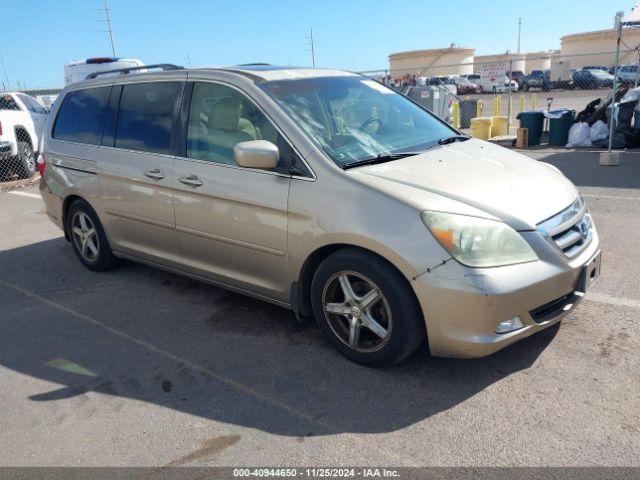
<point>256,154</point>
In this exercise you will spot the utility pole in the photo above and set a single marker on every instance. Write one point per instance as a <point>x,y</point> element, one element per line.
<point>312,49</point>
<point>4,67</point>
<point>519,31</point>
<point>109,30</point>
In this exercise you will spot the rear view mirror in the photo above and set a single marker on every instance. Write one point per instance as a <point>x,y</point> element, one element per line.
<point>256,154</point>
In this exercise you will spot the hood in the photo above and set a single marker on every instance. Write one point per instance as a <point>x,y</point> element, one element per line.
<point>505,184</point>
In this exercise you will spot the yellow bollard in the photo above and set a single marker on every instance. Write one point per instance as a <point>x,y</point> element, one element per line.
<point>456,115</point>
<point>522,105</point>
<point>479,108</point>
<point>534,97</point>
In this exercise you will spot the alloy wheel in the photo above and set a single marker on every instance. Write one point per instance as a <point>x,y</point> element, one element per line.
<point>28,158</point>
<point>85,236</point>
<point>357,311</point>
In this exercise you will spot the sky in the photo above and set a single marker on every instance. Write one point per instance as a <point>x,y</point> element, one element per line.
<point>37,37</point>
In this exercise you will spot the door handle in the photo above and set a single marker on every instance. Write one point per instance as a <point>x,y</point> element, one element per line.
<point>191,180</point>
<point>156,174</point>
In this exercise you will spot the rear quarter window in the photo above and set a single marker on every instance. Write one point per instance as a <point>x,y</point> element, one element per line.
<point>81,116</point>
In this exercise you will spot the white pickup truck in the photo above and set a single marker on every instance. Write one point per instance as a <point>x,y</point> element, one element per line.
<point>22,120</point>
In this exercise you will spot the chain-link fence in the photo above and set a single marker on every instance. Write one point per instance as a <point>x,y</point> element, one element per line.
<point>23,116</point>
<point>578,86</point>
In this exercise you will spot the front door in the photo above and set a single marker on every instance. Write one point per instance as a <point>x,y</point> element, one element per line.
<point>231,221</point>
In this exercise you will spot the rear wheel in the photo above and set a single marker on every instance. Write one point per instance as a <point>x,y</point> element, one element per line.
<point>88,238</point>
<point>26,160</point>
<point>366,308</point>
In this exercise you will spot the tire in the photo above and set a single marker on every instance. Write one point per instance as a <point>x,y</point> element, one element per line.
<point>92,250</point>
<point>26,160</point>
<point>398,327</point>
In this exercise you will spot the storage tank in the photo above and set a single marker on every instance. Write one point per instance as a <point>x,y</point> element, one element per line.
<point>517,61</point>
<point>598,48</point>
<point>434,62</point>
<point>537,61</point>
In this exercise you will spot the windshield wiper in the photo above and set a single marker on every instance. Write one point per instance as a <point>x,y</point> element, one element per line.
<point>453,138</point>
<point>380,158</point>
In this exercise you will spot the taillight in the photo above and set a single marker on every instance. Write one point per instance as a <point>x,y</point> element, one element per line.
<point>42,163</point>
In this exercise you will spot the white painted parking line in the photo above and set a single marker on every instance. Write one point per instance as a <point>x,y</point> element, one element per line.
<point>611,300</point>
<point>25,194</point>
<point>609,196</point>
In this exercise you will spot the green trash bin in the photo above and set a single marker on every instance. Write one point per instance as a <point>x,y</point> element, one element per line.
<point>534,121</point>
<point>559,127</point>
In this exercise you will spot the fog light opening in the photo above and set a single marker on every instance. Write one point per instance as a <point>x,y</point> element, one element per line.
<point>509,325</point>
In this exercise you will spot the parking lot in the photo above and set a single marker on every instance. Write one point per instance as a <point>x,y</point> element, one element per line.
<point>141,367</point>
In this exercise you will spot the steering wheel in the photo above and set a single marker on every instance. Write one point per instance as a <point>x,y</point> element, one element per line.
<point>370,121</point>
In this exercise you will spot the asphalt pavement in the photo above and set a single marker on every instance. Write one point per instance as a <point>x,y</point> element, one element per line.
<point>141,367</point>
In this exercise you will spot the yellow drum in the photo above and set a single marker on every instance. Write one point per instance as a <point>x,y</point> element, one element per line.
<point>481,127</point>
<point>499,126</point>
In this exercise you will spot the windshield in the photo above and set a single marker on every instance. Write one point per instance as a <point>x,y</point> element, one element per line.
<point>355,118</point>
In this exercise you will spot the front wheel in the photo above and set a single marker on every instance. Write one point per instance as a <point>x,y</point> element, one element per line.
<point>366,308</point>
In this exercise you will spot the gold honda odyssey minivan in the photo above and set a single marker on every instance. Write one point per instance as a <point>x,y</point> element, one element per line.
<point>325,192</point>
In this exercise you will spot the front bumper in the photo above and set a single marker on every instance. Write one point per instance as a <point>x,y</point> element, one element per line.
<point>462,306</point>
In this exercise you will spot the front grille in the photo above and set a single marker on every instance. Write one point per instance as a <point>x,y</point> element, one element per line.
<point>570,230</point>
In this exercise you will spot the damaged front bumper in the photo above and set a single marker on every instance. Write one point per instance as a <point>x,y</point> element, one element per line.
<point>463,306</point>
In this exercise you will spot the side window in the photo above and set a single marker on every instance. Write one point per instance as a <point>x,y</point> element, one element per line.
<point>145,116</point>
<point>220,118</point>
<point>81,115</point>
<point>8,103</point>
<point>32,104</point>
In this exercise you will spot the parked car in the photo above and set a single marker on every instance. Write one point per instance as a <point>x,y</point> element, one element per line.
<point>592,79</point>
<point>517,76</point>
<point>78,71</point>
<point>545,76</point>
<point>531,83</point>
<point>598,67</point>
<point>466,87</point>
<point>22,120</point>
<point>444,82</point>
<point>628,73</point>
<point>325,192</point>
<point>492,86</point>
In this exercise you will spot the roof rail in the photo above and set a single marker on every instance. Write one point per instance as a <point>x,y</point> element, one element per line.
<point>162,66</point>
<point>257,64</point>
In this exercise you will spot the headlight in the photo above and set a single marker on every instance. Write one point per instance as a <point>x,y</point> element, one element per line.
<point>478,242</point>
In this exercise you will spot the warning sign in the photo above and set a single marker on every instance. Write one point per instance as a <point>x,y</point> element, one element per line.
<point>494,71</point>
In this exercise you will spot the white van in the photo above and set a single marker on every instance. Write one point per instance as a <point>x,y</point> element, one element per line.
<point>78,71</point>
